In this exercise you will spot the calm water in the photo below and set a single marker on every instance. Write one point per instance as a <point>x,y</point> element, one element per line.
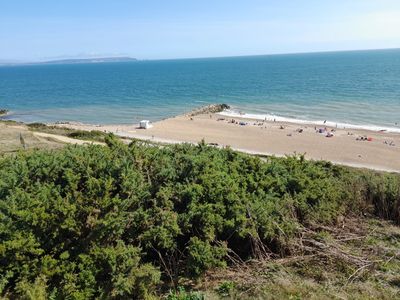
<point>361,88</point>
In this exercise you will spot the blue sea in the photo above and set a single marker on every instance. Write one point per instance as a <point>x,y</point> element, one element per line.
<point>357,88</point>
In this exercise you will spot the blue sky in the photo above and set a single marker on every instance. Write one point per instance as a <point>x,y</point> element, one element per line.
<point>153,29</point>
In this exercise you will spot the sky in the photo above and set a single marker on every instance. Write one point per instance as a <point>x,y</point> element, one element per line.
<point>164,29</point>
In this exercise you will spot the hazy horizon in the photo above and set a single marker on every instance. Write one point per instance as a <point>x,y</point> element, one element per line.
<point>60,58</point>
<point>48,30</point>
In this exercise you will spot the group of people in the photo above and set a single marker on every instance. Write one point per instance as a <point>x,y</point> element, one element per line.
<point>390,143</point>
<point>328,133</point>
<point>364,138</point>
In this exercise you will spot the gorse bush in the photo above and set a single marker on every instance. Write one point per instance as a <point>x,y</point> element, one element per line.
<point>93,135</point>
<point>114,222</point>
<point>182,294</point>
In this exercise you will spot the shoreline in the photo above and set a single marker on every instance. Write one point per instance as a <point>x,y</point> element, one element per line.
<point>233,112</point>
<point>338,125</point>
<point>379,151</point>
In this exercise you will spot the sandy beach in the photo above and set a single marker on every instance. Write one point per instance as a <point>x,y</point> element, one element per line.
<point>358,148</point>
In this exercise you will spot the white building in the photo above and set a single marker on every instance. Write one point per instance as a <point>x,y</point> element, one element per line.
<point>145,124</point>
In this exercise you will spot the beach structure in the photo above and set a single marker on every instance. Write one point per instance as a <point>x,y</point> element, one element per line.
<point>145,124</point>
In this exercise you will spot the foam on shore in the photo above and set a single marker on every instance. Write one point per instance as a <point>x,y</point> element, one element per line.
<point>271,118</point>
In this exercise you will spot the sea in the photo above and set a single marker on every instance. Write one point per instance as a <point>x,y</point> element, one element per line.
<point>355,89</point>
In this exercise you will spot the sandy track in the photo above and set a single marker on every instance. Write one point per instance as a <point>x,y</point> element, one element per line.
<point>65,139</point>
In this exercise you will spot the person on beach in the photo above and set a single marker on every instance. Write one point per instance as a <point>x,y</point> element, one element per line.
<point>329,134</point>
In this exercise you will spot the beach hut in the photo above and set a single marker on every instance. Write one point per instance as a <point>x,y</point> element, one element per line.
<point>145,124</point>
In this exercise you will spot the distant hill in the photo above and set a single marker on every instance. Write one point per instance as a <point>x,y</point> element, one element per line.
<point>90,60</point>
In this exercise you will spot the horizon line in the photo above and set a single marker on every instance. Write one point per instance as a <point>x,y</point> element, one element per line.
<point>273,54</point>
<point>19,62</point>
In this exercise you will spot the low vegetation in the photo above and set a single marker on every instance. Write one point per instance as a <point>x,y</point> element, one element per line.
<point>15,136</point>
<point>138,221</point>
<point>94,135</point>
<point>358,261</point>
<point>3,111</point>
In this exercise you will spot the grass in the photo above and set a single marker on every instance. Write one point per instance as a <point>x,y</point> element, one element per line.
<point>10,142</point>
<point>10,122</point>
<point>10,132</point>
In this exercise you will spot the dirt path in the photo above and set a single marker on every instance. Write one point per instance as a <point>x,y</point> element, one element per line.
<point>65,139</point>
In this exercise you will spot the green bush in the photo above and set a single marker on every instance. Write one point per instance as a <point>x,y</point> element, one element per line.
<point>93,135</point>
<point>225,288</point>
<point>113,222</point>
<point>182,294</point>
<point>37,125</point>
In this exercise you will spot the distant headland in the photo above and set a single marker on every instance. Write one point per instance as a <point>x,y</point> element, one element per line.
<point>90,60</point>
<point>96,60</point>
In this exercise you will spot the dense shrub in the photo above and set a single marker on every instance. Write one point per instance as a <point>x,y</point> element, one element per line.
<point>93,135</point>
<point>112,222</point>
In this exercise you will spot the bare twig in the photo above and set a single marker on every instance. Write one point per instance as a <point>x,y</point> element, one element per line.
<point>353,276</point>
